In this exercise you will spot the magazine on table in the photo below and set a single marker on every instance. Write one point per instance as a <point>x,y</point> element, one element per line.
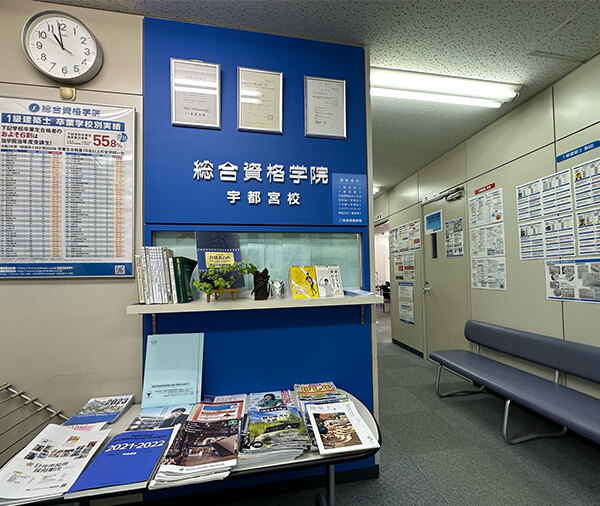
<point>339,428</point>
<point>158,417</point>
<point>101,409</point>
<point>126,463</point>
<point>48,466</point>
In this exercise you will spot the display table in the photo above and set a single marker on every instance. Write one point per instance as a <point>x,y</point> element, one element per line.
<point>306,460</point>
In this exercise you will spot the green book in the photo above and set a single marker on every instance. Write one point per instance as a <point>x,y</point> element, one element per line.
<point>183,267</point>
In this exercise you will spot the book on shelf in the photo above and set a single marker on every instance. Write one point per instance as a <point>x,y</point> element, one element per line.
<point>163,278</point>
<point>218,248</point>
<point>339,428</point>
<point>303,282</point>
<point>329,280</point>
<point>127,462</point>
<point>159,417</point>
<point>48,465</point>
<point>357,292</point>
<point>173,369</point>
<point>101,409</point>
<point>183,268</point>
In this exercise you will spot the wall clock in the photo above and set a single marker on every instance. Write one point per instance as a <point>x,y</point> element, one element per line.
<point>61,47</point>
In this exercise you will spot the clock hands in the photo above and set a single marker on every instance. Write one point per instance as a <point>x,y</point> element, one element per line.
<point>60,34</point>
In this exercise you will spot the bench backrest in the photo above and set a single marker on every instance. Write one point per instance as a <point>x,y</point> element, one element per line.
<point>579,359</point>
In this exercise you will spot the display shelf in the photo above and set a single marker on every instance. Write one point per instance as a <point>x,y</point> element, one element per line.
<point>245,301</point>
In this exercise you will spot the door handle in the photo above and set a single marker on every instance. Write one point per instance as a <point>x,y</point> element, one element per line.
<point>426,287</point>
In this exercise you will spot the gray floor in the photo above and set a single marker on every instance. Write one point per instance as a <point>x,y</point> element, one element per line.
<point>451,451</point>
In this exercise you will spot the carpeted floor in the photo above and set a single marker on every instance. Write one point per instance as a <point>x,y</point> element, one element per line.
<point>451,451</point>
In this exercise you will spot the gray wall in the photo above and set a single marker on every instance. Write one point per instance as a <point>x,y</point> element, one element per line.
<point>65,341</point>
<point>517,148</point>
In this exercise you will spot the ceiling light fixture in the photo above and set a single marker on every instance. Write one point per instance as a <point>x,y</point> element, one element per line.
<point>435,88</point>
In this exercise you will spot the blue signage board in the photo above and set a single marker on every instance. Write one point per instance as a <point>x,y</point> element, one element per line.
<point>196,175</point>
<point>577,151</point>
<point>349,199</point>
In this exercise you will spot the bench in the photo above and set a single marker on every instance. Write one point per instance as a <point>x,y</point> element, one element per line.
<point>565,406</point>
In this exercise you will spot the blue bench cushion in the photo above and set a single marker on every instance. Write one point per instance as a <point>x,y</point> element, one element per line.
<point>575,410</point>
<point>568,356</point>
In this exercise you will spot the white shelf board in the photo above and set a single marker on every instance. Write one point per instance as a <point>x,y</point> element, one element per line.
<point>225,303</point>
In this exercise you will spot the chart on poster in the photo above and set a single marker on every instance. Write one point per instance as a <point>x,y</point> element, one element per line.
<point>66,189</point>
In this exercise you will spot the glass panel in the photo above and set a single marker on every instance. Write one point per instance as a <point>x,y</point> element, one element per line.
<point>278,250</point>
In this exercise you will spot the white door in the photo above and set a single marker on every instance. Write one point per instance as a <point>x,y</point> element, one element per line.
<point>446,281</point>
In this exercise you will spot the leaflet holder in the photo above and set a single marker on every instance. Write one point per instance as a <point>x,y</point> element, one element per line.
<point>21,417</point>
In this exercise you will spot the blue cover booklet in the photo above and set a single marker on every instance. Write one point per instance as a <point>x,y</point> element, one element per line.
<point>127,462</point>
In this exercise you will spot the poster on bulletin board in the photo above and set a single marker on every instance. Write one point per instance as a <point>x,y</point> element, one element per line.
<point>66,189</point>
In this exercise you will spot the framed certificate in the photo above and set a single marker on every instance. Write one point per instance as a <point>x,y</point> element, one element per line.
<point>260,100</point>
<point>324,107</point>
<point>195,93</point>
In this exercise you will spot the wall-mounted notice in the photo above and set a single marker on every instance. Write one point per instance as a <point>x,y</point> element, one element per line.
<point>486,208</point>
<point>195,93</point>
<point>324,107</point>
<point>588,231</point>
<point>349,199</point>
<point>586,179</point>
<point>433,222</point>
<point>66,189</point>
<point>559,236</point>
<point>529,200</point>
<point>574,280</point>
<point>531,240</point>
<point>556,193</point>
<point>406,237</point>
<point>454,238</point>
<point>488,273</point>
<point>487,241</point>
<point>406,302</point>
<point>404,266</point>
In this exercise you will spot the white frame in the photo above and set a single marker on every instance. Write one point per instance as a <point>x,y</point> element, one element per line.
<point>277,111</point>
<point>200,124</point>
<point>309,126</point>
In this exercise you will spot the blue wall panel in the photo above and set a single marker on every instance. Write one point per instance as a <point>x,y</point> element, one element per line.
<point>171,193</point>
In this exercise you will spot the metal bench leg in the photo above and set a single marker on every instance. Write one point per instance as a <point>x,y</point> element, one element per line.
<point>528,437</point>
<point>454,393</point>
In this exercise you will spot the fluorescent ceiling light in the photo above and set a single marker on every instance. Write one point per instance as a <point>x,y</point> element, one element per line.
<point>436,88</point>
<point>434,97</point>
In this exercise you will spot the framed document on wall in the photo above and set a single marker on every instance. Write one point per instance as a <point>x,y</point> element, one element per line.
<point>324,107</point>
<point>260,100</point>
<point>195,93</point>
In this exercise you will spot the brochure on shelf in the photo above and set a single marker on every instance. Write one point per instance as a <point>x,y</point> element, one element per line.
<point>173,369</point>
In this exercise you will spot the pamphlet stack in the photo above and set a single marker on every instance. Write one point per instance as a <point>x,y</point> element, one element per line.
<point>274,432</point>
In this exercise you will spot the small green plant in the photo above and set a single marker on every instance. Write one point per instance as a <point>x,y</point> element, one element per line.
<point>222,277</point>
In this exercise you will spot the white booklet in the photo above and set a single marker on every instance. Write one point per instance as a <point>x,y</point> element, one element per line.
<point>48,466</point>
<point>339,428</point>
<point>173,369</point>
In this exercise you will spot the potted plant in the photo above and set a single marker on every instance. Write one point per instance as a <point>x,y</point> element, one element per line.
<point>219,279</point>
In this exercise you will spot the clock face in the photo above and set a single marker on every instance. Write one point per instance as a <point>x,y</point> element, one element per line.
<point>61,47</point>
